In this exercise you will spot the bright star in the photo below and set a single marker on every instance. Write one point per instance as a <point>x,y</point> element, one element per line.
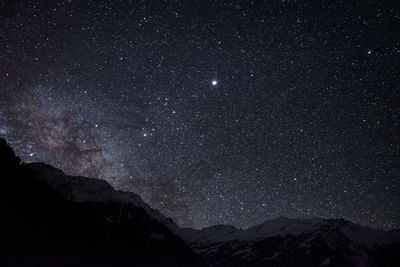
<point>369,52</point>
<point>214,82</point>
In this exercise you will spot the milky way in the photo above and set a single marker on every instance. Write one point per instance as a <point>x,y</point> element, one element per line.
<point>213,112</point>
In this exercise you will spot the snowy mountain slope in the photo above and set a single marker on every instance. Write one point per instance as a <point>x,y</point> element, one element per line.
<point>293,242</point>
<point>284,227</point>
<point>84,189</point>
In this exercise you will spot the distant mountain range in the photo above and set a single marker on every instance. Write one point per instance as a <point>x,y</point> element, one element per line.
<point>51,219</point>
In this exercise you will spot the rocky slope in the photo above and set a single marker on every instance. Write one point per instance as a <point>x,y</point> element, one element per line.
<point>46,223</point>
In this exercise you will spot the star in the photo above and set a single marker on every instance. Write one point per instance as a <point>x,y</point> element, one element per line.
<point>214,82</point>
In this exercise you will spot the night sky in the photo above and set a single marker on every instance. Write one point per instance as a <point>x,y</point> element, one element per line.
<point>214,112</point>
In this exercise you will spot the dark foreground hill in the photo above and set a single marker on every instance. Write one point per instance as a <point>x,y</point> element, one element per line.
<point>48,218</point>
<point>41,228</point>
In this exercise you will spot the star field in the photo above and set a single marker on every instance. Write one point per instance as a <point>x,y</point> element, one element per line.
<point>214,112</point>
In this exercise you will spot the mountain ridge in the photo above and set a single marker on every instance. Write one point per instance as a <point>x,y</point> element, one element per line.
<point>39,226</point>
<point>83,189</point>
<point>118,216</point>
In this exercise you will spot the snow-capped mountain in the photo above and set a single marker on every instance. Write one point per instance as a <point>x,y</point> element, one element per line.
<point>47,215</point>
<point>289,227</point>
<point>294,242</point>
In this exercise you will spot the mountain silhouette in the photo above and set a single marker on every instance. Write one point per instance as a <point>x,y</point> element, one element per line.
<point>51,219</point>
<point>42,228</point>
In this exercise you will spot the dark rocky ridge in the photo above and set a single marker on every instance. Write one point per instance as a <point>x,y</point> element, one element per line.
<point>40,227</point>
